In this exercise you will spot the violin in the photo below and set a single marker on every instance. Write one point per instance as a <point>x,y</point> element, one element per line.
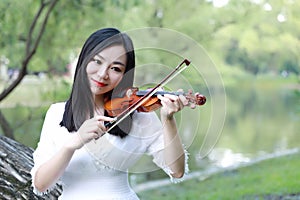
<point>147,100</point>
<point>116,106</point>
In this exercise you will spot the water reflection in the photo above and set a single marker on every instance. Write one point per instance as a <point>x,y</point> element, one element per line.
<point>260,119</point>
<point>222,157</point>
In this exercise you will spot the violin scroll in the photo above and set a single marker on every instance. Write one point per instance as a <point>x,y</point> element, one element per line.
<point>200,99</point>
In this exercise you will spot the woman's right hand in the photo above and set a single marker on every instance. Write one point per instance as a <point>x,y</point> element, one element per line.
<point>90,129</point>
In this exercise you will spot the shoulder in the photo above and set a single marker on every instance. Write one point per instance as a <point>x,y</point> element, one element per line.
<point>57,106</point>
<point>56,111</point>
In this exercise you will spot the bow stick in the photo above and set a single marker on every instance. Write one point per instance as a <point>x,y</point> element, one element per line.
<point>142,100</point>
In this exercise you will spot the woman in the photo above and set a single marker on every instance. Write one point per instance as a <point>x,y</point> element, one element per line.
<point>73,147</point>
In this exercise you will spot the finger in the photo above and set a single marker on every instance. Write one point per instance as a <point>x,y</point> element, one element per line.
<point>160,97</point>
<point>180,90</point>
<point>104,118</point>
<point>184,100</point>
<point>101,132</point>
<point>179,105</point>
<point>171,97</point>
<point>171,101</point>
<point>84,138</point>
<point>160,89</point>
<point>102,125</point>
<point>171,105</point>
<point>94,127</point>
<point>163,100</point>
<point>96,136</point>
<point>102,128</point>
<point>168,99</point>
<point>176,101</point>
<point>193,106</point>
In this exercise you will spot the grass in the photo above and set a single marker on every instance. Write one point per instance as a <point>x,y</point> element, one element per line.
<point>271,179</point>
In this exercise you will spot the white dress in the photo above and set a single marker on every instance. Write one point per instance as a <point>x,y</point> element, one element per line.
<point>99,170</point>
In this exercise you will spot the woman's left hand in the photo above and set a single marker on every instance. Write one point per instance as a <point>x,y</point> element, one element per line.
<point>172,104</point>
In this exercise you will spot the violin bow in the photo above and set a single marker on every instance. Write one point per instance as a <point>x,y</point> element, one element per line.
<point>143,99</point>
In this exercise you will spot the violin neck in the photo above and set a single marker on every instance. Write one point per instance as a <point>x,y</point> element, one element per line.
<point>143,92</point>
<point>196,99</point>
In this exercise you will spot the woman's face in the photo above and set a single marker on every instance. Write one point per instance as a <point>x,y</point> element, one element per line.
<point>106,69</point>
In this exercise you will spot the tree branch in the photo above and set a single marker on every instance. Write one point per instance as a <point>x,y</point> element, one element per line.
<point>31,47</point>
<point>7,130</point>
<point>30,52</point>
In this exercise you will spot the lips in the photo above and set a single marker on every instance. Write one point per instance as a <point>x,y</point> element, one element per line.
<point>99,84</point>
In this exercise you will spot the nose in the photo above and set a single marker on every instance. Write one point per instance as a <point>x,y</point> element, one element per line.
<point>103,72</point>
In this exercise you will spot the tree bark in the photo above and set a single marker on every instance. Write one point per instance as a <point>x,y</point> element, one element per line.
<point>15,180</point>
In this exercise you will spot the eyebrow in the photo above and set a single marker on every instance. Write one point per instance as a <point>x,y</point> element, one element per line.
<point>114,62</point>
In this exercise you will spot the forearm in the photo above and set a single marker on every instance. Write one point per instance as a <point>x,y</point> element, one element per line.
<point>49,172</point>
<point>173,152</point>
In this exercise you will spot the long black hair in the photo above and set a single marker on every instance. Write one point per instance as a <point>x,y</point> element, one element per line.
<point>81,103</point>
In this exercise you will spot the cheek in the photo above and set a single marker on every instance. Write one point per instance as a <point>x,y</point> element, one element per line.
<point>118,79</point>
<point>90,69</point>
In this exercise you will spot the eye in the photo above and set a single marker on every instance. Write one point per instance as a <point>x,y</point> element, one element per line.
<point>117,69</point>
<point>97,61</point>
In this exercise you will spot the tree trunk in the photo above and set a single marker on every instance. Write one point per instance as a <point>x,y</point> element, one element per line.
<point>15,179</point>
<point>7,130</point>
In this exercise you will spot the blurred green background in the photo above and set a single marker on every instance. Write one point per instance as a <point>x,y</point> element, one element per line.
<point>254,45</point>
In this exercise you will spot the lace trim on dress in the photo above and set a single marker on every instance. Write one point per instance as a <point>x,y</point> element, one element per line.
<point>186,168</point>
<point>50,189</point>
<point>99,164</point>
<point>36,191</point>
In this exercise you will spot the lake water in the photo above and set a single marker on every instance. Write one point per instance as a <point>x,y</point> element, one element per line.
<point>260,119</point>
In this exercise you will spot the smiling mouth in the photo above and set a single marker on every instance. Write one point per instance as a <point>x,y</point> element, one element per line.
<point>99,84</point>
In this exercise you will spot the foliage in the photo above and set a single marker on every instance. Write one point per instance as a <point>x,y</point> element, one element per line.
<point>256,37</point>
<point>26,107</point>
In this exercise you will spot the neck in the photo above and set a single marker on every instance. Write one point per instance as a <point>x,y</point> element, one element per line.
<point>99,102</point>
